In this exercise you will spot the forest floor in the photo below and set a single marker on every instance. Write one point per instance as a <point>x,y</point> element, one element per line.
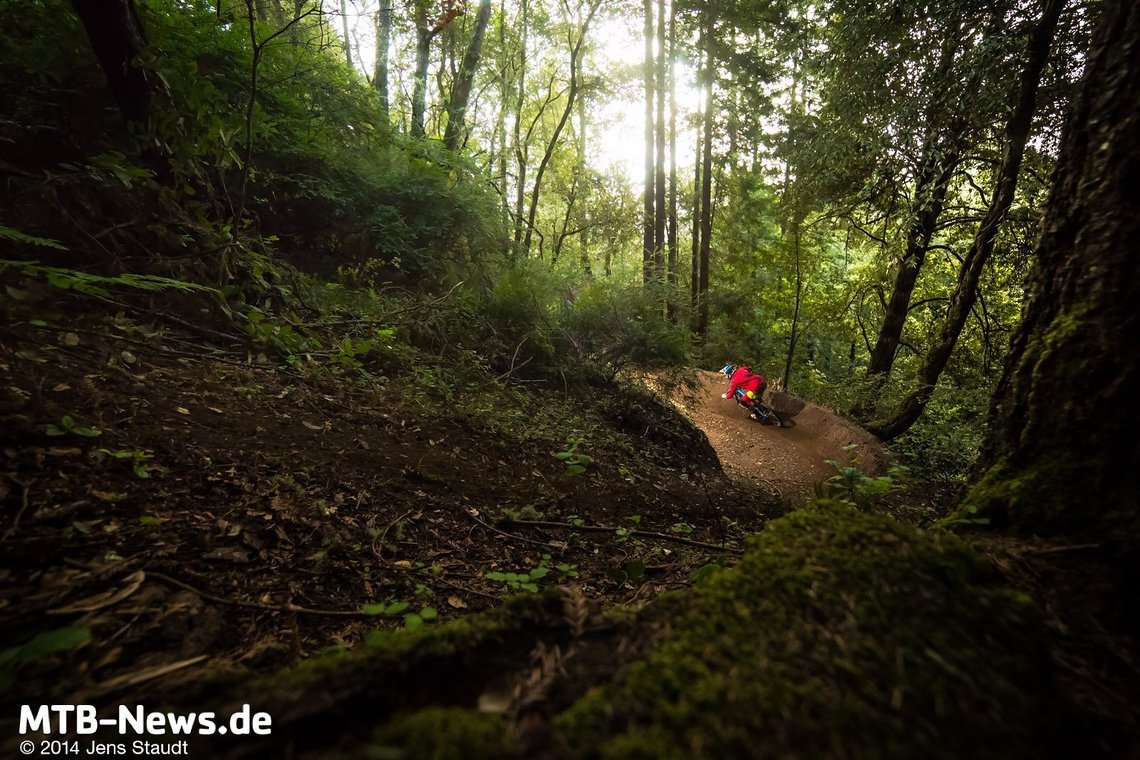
<point>198,510</point>
<point>194,507</point>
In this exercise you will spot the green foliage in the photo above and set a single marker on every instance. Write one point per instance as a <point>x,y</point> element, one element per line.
<point>575,461</point>
<point>68,425</point>
<point>851,485</point>
<point>138,459</point>
<point>528,580</point>
<point>91,284</point>
<point>15,236</point>
<point>44,645</point>
<point>399,608</point>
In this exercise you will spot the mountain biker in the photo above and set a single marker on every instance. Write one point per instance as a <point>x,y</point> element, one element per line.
<point>744,379</point>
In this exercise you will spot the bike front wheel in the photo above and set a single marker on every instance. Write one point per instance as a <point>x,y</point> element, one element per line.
<point>768,417</point>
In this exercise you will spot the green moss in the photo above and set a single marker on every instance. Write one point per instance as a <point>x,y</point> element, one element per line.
<point>441,733</point>
<point>1048,476</point>
<point>381,670</point>
<point>1060,493</point>
<point>839,634</point>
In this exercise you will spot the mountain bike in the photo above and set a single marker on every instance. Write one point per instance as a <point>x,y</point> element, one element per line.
<point>756,409</point>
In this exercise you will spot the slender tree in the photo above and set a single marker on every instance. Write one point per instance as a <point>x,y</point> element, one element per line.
<point>347,39</point>
<point>965,294</point>
<point>383,42</point>
<point>702,316</point>
<point>649,223</point>
<point>116,36</point>
<point>573,88</point>
<point>659,161</point>
<point>936,167</point>
<point>672,229</point>
<point>461,92</point>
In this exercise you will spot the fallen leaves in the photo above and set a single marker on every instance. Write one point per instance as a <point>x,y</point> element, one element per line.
<point>103,599</point>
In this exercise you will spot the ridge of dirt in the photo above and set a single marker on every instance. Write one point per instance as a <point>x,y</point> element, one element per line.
<point>789,460</point>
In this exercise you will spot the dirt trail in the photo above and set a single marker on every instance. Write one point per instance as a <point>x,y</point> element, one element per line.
<point>789,459</point>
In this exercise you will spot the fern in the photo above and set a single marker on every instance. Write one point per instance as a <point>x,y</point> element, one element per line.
<point>82,282</point>
<point>7,233</point>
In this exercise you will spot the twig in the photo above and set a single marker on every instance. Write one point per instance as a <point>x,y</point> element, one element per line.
<point>507,375</point>
<point>514,536</point>
<point>632,532</point>
<point>258,605</point>
<point>1059,549</point>
<point>387,317</point>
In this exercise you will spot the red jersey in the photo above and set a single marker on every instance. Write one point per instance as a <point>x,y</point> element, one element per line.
<point>745,379</point>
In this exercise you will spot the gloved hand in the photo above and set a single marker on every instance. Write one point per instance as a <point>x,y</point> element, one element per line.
<point>727,395</point>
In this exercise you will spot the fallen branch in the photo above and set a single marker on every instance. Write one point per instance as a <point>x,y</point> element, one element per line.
<point>514,536</point>
<point>629,531</point>
<point>385,319</point>
<point>258,605</point>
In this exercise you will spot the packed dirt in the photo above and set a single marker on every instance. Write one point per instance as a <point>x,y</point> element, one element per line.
<point>790,459</point>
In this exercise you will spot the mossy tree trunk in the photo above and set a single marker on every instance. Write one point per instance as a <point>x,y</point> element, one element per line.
<point>1062,450</point>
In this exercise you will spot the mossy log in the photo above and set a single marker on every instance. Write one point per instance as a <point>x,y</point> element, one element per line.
<point>839,634</point>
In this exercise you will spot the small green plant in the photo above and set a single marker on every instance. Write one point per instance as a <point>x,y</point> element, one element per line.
<point>525,512</point>
<point>574,460</point>
<point>138,459</point>
<point>67,424</point>
<point>634,571</point>
<point>681,528</point>
<point>269,332</point>
<point>528,581</point>
<point>43,645</point>
<point>397,608</point>
<point>852,485</point>
<point>623,534</point>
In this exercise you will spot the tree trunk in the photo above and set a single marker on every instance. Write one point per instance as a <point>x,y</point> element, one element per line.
<point>571,99</point>
<point>383,37</point>
<point>930,196</point>
<point>702,324</point>
<point>648,224</point>
<point>936,169</point>
<point>795,336</point>
<point>966,293</point>
<point>694,282</point>
<point>117,39</point>
<point>424,36</point>
<point>672,231</point>
<point>521,151</point>
<point>1061,452</point>
<point>659,163</point>
<point>583,190</point>
<point>461,92</point>
<point>345,31</point>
